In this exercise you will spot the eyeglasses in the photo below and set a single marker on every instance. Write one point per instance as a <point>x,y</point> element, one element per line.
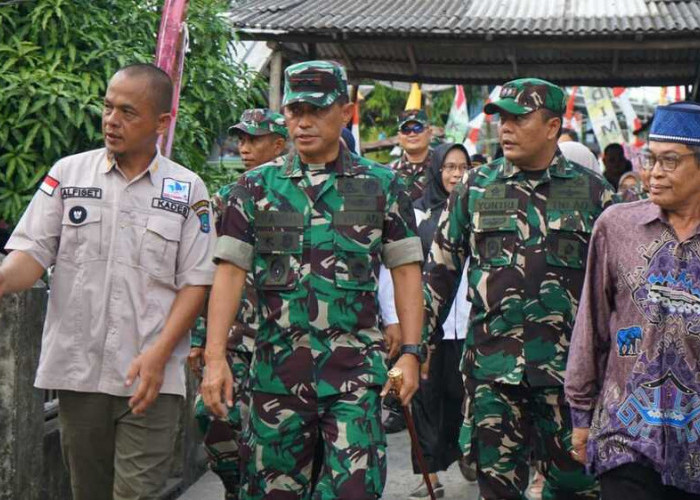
<point>668,162</point>
<point>451,168</point>
<point>416,128</point>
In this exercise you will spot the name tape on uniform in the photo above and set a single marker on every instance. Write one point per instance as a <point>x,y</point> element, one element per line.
<point>171,206</point>
<point>81,192</point>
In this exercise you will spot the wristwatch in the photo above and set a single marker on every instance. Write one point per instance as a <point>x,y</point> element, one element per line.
<point>420,351</point>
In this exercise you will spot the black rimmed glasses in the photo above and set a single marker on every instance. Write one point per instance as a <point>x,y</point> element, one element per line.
<point>668,161</point>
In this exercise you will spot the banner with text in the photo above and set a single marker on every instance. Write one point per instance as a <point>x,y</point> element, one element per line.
<point>602,115</point>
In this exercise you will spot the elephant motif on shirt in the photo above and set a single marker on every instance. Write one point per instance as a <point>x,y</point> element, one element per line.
<point>627,340</point>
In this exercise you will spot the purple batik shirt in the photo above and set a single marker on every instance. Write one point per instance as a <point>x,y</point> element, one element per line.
<point>632,374</point>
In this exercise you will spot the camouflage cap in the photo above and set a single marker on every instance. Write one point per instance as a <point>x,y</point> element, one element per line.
<point>320,83</point>
<point>413,115</point>
<point>260,121</point>
<point>526,95</point>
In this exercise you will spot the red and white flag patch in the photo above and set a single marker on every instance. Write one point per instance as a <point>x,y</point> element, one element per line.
<point>49,185</point>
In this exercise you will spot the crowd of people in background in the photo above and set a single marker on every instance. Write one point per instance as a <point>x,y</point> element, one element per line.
<point>542,312</point>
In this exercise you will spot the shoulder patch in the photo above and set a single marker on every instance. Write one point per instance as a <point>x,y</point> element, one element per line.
<point>49,185</point>
<point>204,225</point>
<point>200,205</point>
<point>201,208</point>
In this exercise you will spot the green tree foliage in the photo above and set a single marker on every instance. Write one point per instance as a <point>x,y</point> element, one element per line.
<point>56,57</point>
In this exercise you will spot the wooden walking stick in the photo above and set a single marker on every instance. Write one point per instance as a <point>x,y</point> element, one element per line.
<point>396,379</point>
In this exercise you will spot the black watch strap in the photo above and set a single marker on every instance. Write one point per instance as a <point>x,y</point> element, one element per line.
<point>418,350</point>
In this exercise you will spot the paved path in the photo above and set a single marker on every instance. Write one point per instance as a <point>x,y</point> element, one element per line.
<point>400,479</point>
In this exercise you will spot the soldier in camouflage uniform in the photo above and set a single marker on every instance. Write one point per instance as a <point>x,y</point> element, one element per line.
<point>262,139</point>
<point>525,220</point>
<point>414,139</point>
<point>314,233</point>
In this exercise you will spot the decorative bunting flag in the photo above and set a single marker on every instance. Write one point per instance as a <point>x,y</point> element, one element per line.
<point>458,121</point>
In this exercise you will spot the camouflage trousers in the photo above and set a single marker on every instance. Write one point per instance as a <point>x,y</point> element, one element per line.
<point>507,422</point>
<point>222,435</point>
<point>280,443</point>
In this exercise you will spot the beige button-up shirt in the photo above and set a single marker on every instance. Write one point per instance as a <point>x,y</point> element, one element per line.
<point>122,249</point>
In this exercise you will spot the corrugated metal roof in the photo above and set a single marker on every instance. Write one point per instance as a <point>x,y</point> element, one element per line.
<point>587,42</point>
<point>471,18</point>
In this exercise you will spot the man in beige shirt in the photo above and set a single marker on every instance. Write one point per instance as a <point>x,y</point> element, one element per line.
<point>129,234</point>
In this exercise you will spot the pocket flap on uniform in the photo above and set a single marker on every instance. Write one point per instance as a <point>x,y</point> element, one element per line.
<point>168,229</point>
<point>78,215</point>
<point>568,221</point>
<point>282,242</point>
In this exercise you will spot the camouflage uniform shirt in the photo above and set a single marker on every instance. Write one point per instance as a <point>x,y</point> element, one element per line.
<point>314,237</point>
<point>527,235</point>
<point>415,175</point>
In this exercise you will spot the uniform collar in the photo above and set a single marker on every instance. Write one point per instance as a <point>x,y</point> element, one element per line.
<point>344,164</point>
<point>426,161</point>
<point>154,170</point>
<point>559,167</point>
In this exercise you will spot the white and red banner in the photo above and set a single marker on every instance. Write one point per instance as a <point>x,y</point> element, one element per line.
<point>569,113</point>
<point>633,122</point>
<point>356,125</point>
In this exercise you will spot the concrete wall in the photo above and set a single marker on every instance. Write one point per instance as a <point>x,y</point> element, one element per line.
<point>31,466</point>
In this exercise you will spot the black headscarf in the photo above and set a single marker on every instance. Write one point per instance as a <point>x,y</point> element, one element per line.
<point>435,195</point>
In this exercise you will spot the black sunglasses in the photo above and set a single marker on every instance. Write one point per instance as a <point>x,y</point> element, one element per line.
<point>415,127</point>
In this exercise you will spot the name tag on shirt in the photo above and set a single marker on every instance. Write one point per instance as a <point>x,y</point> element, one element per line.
<point>171,206</point>
<point>81,192</point>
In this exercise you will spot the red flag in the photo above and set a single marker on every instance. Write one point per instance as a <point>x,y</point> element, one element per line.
<point>569,114</point>
<point>356,125</point>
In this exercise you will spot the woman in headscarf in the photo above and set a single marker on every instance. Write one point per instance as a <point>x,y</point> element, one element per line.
<point>631,188</point>
<point>437,406</point>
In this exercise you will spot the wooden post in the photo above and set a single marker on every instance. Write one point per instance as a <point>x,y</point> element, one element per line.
<point>276,80</point>
<point>21,405</point>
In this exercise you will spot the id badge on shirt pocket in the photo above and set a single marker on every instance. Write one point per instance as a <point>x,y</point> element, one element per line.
<point>81,234</point>
<point>568,235</point>
<point>495,236</point>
